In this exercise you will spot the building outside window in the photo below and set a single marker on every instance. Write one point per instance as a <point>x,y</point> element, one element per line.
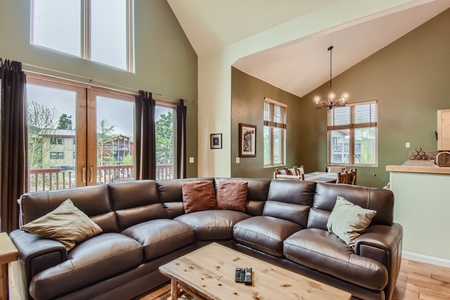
<point>352,134</point>
<point>274,133</point>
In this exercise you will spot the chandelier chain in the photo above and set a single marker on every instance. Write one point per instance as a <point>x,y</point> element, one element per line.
<point>331,67</point>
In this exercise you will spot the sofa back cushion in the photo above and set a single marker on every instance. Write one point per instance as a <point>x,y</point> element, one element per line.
<point>171,195</point>
<point>257,191</point>
<point>290,200</point>
<point>136,202</point>
<point>380,200</point>
<point>92,200</point>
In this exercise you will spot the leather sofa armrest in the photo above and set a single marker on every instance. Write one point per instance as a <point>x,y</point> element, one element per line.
<point>383,243</point>
<point>37,254</point>
<point>387,238</point>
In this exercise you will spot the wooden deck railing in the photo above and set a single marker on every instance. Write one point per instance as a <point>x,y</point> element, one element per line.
<point>57,179</point>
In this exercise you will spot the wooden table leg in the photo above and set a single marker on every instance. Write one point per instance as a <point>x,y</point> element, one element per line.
<point>4,286</point>
<point>174,289</point>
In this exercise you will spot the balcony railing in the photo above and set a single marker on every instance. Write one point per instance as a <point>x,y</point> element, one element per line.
<point>57,179</point>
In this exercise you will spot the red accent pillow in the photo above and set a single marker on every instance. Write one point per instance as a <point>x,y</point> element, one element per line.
<point>232,195</point>
<point>198,195</point>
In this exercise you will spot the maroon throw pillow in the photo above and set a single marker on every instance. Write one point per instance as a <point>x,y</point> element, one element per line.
<point>198,195</point>
<point>232,195</point>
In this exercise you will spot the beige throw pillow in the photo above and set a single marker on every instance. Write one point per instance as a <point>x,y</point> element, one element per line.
<point>348,221</point>
<point>66,223</point>
<point>232,195</point>
<point>198,195</point>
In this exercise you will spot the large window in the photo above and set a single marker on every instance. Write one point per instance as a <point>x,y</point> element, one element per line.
<point>98,30</point>
<point>81,135</point>
<point>274,133</point>
<point>352,134</point>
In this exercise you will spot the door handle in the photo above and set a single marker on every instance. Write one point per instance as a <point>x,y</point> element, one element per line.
<point>84,174</point>
<point>91,175</point>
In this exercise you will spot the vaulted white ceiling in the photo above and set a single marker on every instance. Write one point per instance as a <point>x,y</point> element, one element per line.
<point>301,65</point>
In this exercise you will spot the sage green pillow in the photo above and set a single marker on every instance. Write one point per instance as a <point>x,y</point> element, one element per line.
<point>348,221</point>
<point>66,224</point>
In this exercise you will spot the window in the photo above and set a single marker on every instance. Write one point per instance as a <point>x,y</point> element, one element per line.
<point>56,155</point>
<point>352,134</point>
<point>274,133</point>
<point>97,30</point>
<point>56,141</point>
<point>93,129</point>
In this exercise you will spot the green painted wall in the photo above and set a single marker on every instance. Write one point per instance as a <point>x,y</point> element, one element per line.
<point>164,58</point>
<point>410,78</point>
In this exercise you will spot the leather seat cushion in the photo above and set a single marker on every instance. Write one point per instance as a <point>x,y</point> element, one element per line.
<point>265,233</point>
<point>97,258</point>
<point>161,237</point>
<point>323,251</point>
<point>213,224</point>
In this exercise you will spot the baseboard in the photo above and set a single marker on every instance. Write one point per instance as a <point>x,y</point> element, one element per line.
<point>426,259</point>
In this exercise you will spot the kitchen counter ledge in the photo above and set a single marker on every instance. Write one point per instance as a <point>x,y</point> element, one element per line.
<point>419,166</point>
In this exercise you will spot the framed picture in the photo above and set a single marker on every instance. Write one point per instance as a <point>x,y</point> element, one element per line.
<point>247,140</point>
<point>215,141</point>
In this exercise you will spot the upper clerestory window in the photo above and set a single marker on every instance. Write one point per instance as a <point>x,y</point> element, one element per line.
<point>97,30</point>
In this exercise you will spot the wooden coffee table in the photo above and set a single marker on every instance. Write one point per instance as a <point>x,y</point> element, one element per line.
<point>208,273</point>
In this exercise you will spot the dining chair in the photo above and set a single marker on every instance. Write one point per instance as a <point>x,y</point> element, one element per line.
<point>335,169</point>
<point>354,175</point>
<point>344,177</point>
<point>290,177</point>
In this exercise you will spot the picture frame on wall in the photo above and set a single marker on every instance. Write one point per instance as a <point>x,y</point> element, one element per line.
<point>247,140</point>
<point>215,141</point>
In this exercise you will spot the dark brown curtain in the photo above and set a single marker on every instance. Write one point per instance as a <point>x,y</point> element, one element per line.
<point>145,150</point>
<point>181,139</point>
<point>14,151</point>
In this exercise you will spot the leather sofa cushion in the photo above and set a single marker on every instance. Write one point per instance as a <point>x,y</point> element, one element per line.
<point>136,202</point>
<point>160,237</point>
<point>98,258</point>
<point>213,224</point>
<point>290,200</point>
<point>323,251</point>
<point>380,200</point>
<point>92,200</point>
<point>264,233</point>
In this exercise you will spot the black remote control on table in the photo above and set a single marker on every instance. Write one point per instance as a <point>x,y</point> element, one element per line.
<point>248,276</point>
<point>239,275</point>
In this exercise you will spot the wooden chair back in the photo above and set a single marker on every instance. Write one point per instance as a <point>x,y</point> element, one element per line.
<point>335,169</point>
<point>347,177</point>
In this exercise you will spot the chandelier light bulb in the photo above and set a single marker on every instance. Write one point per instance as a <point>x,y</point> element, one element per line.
<point>317,99</point>
<point>345,96</point>
<point>331,96</point>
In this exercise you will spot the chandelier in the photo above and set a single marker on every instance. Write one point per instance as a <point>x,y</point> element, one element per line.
<point>331,100</point>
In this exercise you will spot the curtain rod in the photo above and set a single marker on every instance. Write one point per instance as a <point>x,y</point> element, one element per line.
<point>86,80</point>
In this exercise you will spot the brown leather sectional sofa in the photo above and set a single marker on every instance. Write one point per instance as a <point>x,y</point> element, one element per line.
<point>144,226</point>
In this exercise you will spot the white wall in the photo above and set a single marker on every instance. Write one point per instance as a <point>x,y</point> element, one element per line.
<point>214,72</point>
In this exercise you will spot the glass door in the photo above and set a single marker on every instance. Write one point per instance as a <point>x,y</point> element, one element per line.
<point>112,134</point>
<point>56,140</point>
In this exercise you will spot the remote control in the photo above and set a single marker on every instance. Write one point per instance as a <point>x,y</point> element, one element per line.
<point>248,276</point>
<point>239,275</point>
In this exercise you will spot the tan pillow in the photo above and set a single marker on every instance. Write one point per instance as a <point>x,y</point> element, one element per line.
<point>232,194</point>
<point>198,195</point>
<point>66,224</point>
<point>348,221</point>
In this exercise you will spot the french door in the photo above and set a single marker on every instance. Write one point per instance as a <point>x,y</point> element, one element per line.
<point>78,135</point>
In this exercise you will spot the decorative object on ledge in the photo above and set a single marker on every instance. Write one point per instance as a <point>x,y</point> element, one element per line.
<point>331,100</point>
<point>418,154</point>
<point>247,140</point>
<point>215,141</point>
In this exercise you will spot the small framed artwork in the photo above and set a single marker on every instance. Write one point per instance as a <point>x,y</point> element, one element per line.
<point>215,141</point>
<point>247,140</point>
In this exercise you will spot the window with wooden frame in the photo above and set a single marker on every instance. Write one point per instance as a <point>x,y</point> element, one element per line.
<point>274,133</point>
<point>353,135</point>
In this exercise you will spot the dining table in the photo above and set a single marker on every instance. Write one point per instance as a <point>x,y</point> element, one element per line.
<point>321,177</point>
